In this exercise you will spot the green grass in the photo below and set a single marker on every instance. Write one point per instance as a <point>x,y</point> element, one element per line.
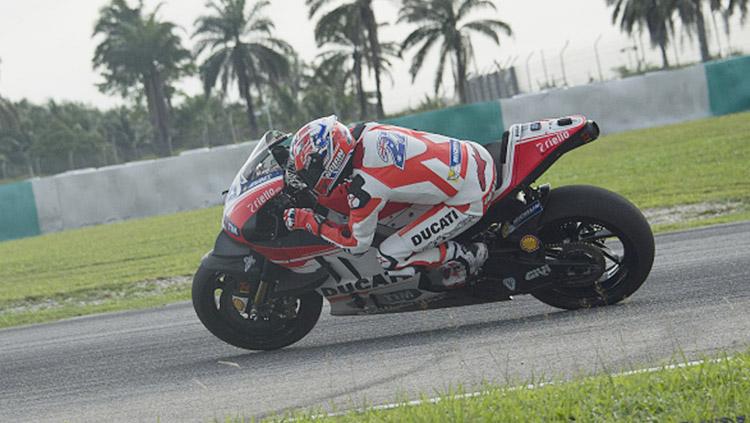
<point>100,260</point>
<point>706,392</point>
<point>700,161</point>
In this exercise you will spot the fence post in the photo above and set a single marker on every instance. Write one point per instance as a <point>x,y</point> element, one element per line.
<point>596,53</point>
<point>562,62</point>
<point>528,72</point>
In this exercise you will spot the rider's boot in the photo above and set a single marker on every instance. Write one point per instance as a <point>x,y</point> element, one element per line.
<point>459,263</point>
<point>462,262</point>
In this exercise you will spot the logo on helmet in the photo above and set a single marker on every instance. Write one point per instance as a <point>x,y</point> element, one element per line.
<point>337,164</point>
<point>392,148</point>
<point>320,139</point>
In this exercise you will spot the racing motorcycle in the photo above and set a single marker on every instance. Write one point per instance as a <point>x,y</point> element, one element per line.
<point>262,286</point>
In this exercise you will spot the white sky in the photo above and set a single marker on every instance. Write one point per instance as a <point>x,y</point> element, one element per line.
<point>46,45</point>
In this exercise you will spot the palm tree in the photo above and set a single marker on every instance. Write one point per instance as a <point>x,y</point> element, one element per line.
<point>691,15</point>
<point>241,47</point>
<point>328,86</point>
<point>342,34</point>
<point>140,49</point>
<point>8,118</point>
<point>654,15</point>
<point>447,20</point>
<point>8,114</point>
<point>17,131</point>
<point>359,13</point>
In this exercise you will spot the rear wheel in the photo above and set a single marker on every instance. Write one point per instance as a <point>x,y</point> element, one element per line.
<point>583,218</point>
<point>218,302</point>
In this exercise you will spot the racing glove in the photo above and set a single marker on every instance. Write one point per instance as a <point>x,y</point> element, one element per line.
<point>304,219</point>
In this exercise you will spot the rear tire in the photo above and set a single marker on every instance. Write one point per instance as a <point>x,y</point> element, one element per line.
<point>210,291</point>
<point>575,207</point>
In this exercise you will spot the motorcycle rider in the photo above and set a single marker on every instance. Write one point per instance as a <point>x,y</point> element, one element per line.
<point>375,164</point>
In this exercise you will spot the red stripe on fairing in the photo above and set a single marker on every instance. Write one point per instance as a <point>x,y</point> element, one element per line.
<point>293,255</point>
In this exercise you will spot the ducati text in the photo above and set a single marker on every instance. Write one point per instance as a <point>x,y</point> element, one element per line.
<point>435,228</point>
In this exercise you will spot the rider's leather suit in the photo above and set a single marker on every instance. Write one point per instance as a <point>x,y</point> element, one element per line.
<point>393,164</point>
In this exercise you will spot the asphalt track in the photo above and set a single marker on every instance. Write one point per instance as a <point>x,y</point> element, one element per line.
<point>162,364</point>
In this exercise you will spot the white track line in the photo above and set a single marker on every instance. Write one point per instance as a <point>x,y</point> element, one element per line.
<point>531,386</point>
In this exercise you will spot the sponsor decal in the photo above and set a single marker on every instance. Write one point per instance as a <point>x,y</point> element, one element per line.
<point>249,262</point>
<point>553,141</point>
<point>248,185</point>
<point>533,210</point>
<point>529,243</point>
<point>525,216</point>
<point>454,165</point>
<point>392,148</point>
<point>538,272</point>
<point>231,227</point>
<point>240,304</point>
<point>336,165</point>
<point>510,283</point>
<point>263,199</point>
<point>435,228</point>
<point>360,285</point>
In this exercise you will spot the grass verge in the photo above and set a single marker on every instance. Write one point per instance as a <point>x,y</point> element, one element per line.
<point>87,270</point>
<point>712,391</point>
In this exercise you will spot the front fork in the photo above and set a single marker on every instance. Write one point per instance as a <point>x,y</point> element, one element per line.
<point>259,299</point>
<point>241,297</point>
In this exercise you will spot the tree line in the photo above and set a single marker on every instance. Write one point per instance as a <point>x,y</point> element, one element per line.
<point>142,56</point>
<point>658,18</point>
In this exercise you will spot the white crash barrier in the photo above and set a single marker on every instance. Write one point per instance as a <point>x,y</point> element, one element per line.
<point>138,189</point>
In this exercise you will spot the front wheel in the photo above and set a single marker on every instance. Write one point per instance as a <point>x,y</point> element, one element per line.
<point>596,218</point>
<point>284,321</point>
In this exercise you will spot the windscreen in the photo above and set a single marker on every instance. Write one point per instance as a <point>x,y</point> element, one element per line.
<point>260,167</point>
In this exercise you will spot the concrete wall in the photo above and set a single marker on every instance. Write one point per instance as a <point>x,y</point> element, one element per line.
<point>644,101</point>
<point>137,189</point>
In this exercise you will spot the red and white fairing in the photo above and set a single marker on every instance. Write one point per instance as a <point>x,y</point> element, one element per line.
<point>529,144</point>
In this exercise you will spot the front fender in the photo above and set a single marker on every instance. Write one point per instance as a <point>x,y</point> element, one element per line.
<point>225,246</point>
<point>239,260</point>
<point>229,256</point>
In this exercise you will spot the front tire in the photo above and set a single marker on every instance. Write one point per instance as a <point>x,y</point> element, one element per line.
<point>212,301</point>
<point>593,215</point>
